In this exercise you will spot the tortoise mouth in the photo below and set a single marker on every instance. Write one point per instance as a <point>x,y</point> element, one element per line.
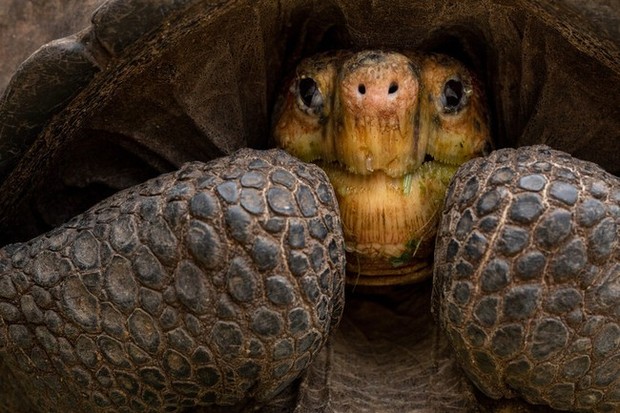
<point>389,223</point>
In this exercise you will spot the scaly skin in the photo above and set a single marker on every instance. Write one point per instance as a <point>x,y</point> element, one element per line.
<point>198,288</point>
<point>527,278</point>
<point>381,126</point>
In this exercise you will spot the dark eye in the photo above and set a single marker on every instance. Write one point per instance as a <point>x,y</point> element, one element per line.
<point>453,97</point>
<point>309,93</point>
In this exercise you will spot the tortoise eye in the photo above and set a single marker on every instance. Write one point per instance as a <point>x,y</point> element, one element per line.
<point>454,96</point>
<point>309,93</point>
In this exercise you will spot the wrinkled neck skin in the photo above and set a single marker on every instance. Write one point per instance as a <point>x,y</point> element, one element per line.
<point>389,130</point>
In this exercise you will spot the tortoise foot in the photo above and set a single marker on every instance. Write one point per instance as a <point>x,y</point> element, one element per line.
<point>212,286</point>
<point>528,278</point>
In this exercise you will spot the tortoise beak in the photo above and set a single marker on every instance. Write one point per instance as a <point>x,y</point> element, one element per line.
<point>376,106</point>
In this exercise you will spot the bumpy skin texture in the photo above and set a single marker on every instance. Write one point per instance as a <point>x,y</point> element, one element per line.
<point>215,286</point>
<point>528,278</point>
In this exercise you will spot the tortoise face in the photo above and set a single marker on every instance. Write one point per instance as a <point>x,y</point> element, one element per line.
<point>389,130</point>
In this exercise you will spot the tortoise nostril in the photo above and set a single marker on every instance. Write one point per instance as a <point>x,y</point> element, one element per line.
<point>361,88</point>
<point>393,88</point>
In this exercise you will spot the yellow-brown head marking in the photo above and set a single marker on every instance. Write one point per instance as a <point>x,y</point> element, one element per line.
<point>389,130</point>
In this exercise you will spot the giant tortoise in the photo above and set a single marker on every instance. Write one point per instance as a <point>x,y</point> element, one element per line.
<point>136,277</point>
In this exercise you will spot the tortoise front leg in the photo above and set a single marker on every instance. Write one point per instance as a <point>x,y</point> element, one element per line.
<point>527,278</point>
<point>212,286</point>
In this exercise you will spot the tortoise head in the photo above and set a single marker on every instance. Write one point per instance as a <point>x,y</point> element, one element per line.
<point>390,131</point>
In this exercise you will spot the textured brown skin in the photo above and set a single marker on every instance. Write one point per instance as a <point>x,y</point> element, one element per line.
<point>178,292</point>
<point>527,275</point>
<point>547,69</point>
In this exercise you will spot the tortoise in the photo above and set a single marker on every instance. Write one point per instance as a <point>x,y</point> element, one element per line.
<point>141,91</point>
